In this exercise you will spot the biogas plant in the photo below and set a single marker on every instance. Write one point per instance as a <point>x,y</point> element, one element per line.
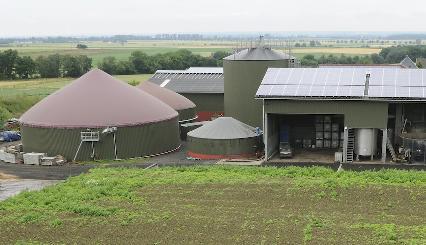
<point>260,105</point>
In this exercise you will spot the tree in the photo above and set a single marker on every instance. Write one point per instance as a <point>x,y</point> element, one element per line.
<point>25,67</point>
<point>49,66</point>
<point>108,65</point>
<point>140,61</point>
<point>377,59</point>
<point>81,46</point>
<point>312,43</point>
<point>7,63</point>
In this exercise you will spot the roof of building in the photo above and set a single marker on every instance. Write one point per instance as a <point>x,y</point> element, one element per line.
<point>204,70</point>
<point>224,128</point>
<point>97,100</point>
<point>174,100</point>
<point>259,54</point>
<point>344,83</point>
<point>407,62</point>
<point>396,66</point>
<point>190,82</point>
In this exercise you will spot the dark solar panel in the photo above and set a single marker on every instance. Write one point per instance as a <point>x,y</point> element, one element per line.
<point>386,83</point>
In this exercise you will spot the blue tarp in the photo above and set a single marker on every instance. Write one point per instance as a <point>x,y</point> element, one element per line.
<point>9,136</point>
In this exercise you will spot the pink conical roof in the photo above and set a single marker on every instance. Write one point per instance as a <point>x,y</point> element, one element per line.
<point>171,98</point>
<point>97,100</point>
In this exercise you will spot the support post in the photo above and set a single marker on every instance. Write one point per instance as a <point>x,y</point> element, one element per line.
<point>265,136</point>
<point>384,141</point>
<point>345,144</point>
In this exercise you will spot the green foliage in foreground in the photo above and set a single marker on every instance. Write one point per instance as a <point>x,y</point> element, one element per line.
<point>87,194</point>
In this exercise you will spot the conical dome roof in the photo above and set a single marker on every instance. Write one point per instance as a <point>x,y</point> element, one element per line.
<point>97,100</point>
<point>171,98</point>
<point>224,128</point>
<point>259,53</point>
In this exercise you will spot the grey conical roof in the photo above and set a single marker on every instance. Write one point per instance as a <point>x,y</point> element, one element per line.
<point>408,63</point>
<point>224,128</point>
<point>259,53</point>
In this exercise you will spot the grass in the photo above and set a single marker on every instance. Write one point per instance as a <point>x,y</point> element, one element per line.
<point>222,204</point>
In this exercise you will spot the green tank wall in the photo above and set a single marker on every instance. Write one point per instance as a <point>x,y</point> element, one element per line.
<point>135,141</point>
<point>187,115</point>
<point>226,147</point>
<point>206,102</point>
<point>242,79</point>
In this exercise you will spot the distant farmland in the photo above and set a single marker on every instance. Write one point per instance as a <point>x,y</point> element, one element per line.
<point>45,86</point>
<point>98,50</point>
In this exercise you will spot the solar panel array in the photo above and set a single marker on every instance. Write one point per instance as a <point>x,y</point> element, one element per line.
<point>344,82</point>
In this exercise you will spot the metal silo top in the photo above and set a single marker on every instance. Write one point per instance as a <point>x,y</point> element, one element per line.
<point>259,53</point>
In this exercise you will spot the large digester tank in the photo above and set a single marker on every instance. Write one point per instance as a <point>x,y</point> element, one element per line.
<point>365,141</point>
<point>243,73</point>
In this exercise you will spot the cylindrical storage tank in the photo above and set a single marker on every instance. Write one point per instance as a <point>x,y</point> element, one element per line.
<point>185,107</point>
<point>243,73</point>
<point>224,138</point>
<point>127,121</point>
<point>365,141</point>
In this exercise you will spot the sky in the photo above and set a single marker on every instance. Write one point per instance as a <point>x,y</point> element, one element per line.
<point>20,18</point>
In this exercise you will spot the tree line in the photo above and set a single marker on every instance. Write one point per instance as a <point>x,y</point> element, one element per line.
<point>140,62</point>
<point>14,66</point>
<point>390,55</point>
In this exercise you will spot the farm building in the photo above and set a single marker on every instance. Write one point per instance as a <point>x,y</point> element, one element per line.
<point>224,137</point>
<point>185,107</point>
<point>100,117</point>
<point>243,73</point>
<point>364,111</point>
<point>201,85</point>
<point>406,63</point>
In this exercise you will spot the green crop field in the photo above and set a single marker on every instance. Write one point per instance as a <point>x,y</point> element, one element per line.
<point>98,50</point>
<point>222,205</point>
<point>45,86</point>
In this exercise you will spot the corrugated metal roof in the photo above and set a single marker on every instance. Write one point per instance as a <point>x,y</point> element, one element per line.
<point>205,70</point>
<point>97,100</point>
<point>334,83</point>
<point>224,128</point>
<point>187,82</point>
<point>259,53</point>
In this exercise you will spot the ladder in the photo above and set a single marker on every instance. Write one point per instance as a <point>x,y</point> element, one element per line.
<point>351,146</point>
<point>391,149</point>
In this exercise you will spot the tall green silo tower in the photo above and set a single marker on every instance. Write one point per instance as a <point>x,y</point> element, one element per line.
<point>243,73</point>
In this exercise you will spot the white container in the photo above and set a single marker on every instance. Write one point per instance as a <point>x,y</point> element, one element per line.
<point>327,143</point>
<point>9,157</point>
<point>327,127</point>
<point>365,141</point>
<point>338,157</point>
<point>2,155</point>
<point>319,135</point>
<point>48,161</point>
<point>327,135</point>
<point>319,143</point>
<point>33,158</point>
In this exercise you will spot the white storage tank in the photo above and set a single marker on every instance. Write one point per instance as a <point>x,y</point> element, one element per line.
<point>365,141</point>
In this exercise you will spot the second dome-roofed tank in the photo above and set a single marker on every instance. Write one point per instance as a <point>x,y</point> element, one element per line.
<point>185,107</point>
<point>243,73</point>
